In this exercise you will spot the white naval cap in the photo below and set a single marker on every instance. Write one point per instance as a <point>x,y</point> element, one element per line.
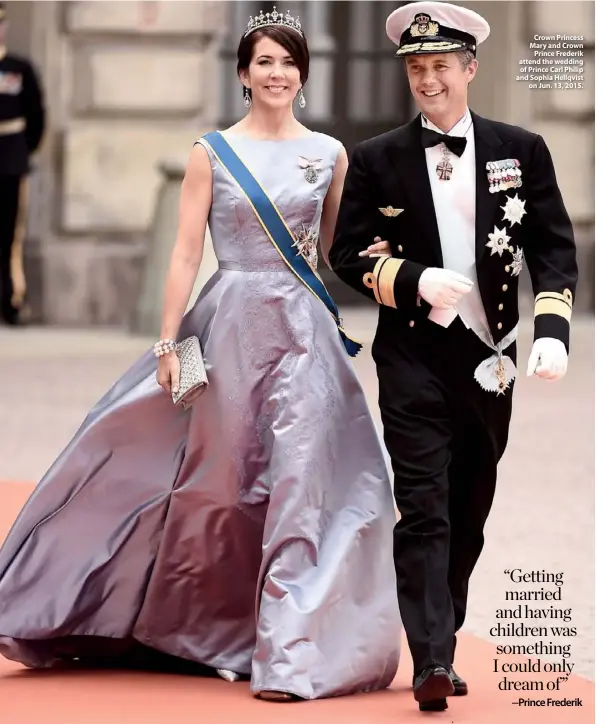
<point>435,27</point>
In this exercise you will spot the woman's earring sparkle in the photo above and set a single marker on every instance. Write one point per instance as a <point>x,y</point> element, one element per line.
<point>301,99</point>
<point>247,100</point>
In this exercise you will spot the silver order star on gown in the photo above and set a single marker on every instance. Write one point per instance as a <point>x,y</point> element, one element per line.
<point>306,243</point>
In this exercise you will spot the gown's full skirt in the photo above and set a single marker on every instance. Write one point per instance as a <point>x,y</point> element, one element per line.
<point>252,532</point>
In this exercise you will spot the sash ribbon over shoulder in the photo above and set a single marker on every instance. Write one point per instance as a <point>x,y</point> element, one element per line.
<point>276,229</point>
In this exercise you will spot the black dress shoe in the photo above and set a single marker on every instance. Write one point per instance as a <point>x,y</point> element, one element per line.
<point>459,685</point>
<point>432,687</point>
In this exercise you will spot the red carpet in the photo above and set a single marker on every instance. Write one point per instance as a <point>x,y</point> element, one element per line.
<point>81,697</point>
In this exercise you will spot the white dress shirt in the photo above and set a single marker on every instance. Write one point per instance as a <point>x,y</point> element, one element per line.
<point>455,208</point>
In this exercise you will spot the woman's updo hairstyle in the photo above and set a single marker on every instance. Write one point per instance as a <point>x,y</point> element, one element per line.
<point>294,43</point>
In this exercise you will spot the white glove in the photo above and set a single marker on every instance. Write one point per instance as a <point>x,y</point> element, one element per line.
<point>442,288</point>
<point>548,359</point>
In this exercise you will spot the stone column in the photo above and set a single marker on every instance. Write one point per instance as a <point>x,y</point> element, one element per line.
<point>147,317</point>
<point>129,84</point>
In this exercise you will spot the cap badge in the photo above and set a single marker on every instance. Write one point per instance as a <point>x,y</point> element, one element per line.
<point>423,25</point>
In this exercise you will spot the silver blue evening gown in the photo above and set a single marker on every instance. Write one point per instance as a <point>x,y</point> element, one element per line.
<point>252,532</point>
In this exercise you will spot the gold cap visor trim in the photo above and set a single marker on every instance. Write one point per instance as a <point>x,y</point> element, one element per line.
<point>437,47</point>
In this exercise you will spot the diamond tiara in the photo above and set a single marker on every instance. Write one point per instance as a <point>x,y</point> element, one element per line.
<point>273,19</point>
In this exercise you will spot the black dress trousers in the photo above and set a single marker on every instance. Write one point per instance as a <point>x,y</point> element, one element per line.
<point>445,436</point>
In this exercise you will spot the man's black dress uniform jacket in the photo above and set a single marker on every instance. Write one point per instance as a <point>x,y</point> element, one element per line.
<point>387,193</point>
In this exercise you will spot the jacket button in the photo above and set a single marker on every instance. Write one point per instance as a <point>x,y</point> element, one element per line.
<point>499,326</point>
<point>400,248</point>
<point>505,287</point>
<point>500,307</point>
<point>507,268</point>
<point>412,323</point>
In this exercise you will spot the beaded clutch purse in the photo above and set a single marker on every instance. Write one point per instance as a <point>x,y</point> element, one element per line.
<point>193,376</point>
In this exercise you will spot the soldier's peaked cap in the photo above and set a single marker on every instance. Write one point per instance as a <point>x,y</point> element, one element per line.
<point>420,28</point>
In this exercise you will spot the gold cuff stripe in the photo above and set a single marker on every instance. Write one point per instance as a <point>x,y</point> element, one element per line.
<point>387,281</point>
<point>566,297</point>
<point>382,279</point>
<point>15,125</point>
<point>371,279</point>
<point>550,305</point>
<point>378,270</point>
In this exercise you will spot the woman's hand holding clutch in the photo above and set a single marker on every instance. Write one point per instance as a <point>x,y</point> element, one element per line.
<point>168,372</point>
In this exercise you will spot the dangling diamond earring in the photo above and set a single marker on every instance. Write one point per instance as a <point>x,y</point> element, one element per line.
<point>247,100</point>
<point>301,99</point>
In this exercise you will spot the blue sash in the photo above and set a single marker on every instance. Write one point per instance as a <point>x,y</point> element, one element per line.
<point>276,229</point>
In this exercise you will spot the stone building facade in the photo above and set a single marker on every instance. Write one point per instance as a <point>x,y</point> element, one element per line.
<point>131,84</point>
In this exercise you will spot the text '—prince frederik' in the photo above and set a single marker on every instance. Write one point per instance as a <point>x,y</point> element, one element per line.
<point>549,702</point>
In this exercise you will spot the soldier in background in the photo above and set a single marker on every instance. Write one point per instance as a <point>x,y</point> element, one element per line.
<point>22,120</point>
